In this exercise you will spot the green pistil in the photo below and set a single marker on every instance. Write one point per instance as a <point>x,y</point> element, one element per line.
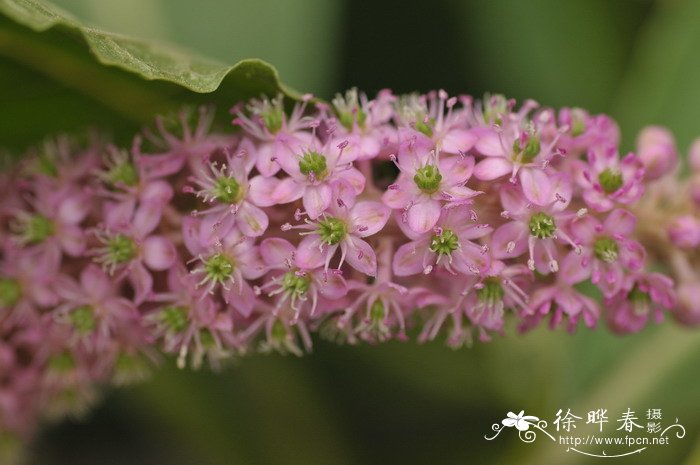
<point>218,268</point>
<point>610,180</point>
<point>377,312</point>
<point>425,128</point>
<point>206,338</point>
<point>10,292</point>
<point>527,153</point>
<point>578,126</point>
<point>542,225</point>
<point>226,190</point>
<point>606,249</point>
<point>83,320</point>
<point>332,230</point>
<point>640,300</point>
<point>36,229</point>
<point>273,119</point>
<point>46,165</point>
<point>278,332</point>
<point>445,243</point>
<point>120,249</point>
<point>348,118</point>
<point>124,173</point>
<point>313,162</point>
<point>492,291</point>
<point>174,317</point>
<point>428,179</point>
<point>62,362</point>
<point>297,285</point>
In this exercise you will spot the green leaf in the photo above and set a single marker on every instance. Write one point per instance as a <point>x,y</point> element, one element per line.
<point>104,72</point>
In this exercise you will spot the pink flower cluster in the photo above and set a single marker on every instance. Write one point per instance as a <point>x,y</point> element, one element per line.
<point>359,220</point>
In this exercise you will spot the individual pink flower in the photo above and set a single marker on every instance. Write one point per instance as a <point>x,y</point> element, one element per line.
<point>128,245</point>
<point>684,232</point>
<point>656,148</point>
<point>226,260</point>
<point>344,226</point>
<point>561,299</point>
<point>607,249</point>
<point>26,284</point>
<point>516,148</point>
<point>534,228</point>
<point>51,227</point>
<point>94,308</point>
<point>295,286</point>
<point>279,136</point>
<point>425,125</point>
<point>226,189</point>
<point>448,245</point>
<point>426,184</point>
<point>190,322</point>
<point>643,297</point>
<point>363,123</point>
<point>313,174</point>
<point>607,181</point>
<point>380,305</point>
<point>584,131</point>
<point>488,296</point>
<point>193,146</point>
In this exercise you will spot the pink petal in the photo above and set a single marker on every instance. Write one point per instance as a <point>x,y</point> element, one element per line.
<point>275,251</point>
<point>514,232</point>
<point>489,169</point>
<point>361,256</point>
<point>159,192</point>
<point>536,185</point>
<point>142,281</point>
<point>309,254</point>
<point>584,229</point>
<point>456,169</point>
<point>316,199</point>
<point>72,240</point>
<point>95,282</point>
<point>160,166</point>
<point>158,253</point>
<point>458,140</point>
<point>370,216</point>
<point>355,178</point>
<point>489,144</point>
<point>260,191</point>
<point>265,163</point>
<point>620,222</point>
<point>74,209</point>
<point>331,285</point>
<point>400,194</point>
<point>571,270</point>
<point>408,260</point>
<point>241,297</point>
<point>424,215</point>
<point>147,218</point>
<point>513,200</point>
<point>287,190</point>
<point>251,220</point>
<point>190,235</point>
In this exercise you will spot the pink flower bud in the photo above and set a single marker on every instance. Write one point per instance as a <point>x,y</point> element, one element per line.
<point>694,155</point>
<point>687,311</point>
<point>656,148</point>
<point>684,232</point>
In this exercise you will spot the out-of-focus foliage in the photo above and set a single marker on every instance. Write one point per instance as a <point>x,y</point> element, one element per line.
<point>399,403</point>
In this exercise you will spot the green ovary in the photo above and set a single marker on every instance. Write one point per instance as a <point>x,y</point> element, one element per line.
<point>120,249</point>
<point>297,285</point>
<point>492,291</point>
<point>542,225</point>
<point>445,243</point>
<point>428,179</point>
<point>331,230</point>
<point>610,180</point>
<point>218,267</point>
<point>10,292</point>
<point>313,162</point>
<point>83,319</point>
<point>606,249</point>
<point>226,190</point>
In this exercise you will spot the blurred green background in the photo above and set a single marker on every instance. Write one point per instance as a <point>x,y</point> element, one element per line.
<point>400,402</point>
